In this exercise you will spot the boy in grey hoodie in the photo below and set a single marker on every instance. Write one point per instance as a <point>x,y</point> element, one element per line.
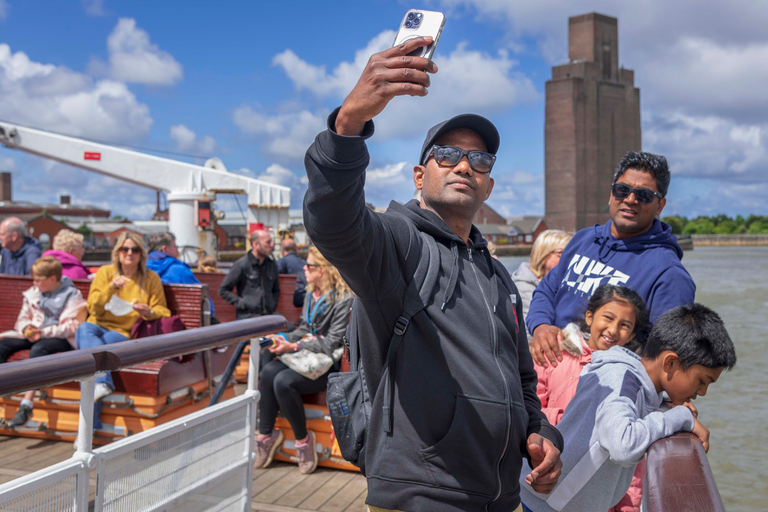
<point>614,416</point>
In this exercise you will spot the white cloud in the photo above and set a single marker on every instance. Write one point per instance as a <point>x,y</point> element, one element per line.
<point>7,164</point>
<point>133,58</point>
<point>467,80</point>
<point>286,136</point>
<point>94,7</point>
<point>59,99</point>
<point>186,140</point>
<point>5,8</point>
<point>709,146</point>
<point>394,174</point>
<point>517,193</point>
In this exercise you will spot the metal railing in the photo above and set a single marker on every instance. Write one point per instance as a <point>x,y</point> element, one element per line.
<point>678,477</point>
<point>202,461</point>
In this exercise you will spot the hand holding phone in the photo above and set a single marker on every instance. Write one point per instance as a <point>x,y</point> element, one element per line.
<point>418,23</point>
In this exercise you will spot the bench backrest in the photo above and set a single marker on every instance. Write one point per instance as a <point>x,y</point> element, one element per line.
<point>225,311</point>
<point>185,300</point>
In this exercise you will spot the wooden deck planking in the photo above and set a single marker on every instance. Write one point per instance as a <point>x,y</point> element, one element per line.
<point>280,488</point>
<point>318,498</point>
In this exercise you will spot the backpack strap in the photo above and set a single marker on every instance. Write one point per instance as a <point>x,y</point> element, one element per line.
<point>417,296</point>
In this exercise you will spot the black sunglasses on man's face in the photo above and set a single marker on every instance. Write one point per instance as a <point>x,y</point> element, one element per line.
<point>449,156</point>
<point>642,195</point>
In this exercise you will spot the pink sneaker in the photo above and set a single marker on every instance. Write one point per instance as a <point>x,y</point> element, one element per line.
<point>266,448</point>
<point>307,454</point>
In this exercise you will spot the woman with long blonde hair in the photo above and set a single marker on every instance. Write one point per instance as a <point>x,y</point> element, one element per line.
<point>321,330</point>
<point>545,255</point>
<point>121,294</point>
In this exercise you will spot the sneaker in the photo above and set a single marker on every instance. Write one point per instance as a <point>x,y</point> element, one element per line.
<point>22,416</point>
<point>307,455</point>
<point>100,391</point>
<point>266,448</point>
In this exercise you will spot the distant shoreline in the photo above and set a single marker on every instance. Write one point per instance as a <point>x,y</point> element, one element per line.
<point>729,240</point>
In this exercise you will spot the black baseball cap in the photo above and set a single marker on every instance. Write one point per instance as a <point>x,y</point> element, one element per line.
<point>478,124</point>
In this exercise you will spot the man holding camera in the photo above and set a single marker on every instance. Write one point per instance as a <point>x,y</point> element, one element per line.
<point>465,410</point>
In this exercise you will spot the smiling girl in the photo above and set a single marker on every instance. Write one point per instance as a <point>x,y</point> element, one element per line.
<point>615,316</point>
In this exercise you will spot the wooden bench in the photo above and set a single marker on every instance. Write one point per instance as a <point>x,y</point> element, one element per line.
<point>157,378</point>
<point>225,311</point>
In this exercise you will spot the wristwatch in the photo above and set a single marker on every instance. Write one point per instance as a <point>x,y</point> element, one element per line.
<point>298,346</point>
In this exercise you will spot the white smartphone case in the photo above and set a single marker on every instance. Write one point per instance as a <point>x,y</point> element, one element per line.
<point>431,24</point>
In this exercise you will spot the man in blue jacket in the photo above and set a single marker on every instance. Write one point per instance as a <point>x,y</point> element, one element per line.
<point>19,251</point>
<point>633,249</point>
<point>164,259</point>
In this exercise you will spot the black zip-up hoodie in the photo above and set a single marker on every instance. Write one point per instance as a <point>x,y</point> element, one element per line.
<point>465,386</point>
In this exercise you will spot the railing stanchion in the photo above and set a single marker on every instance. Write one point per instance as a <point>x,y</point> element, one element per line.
<point>84,441</point>
<point>252,390</point>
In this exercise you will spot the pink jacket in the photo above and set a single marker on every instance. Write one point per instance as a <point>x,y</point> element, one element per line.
<point>71,267</point>
<point>31,315</point>
<point>558,385</point>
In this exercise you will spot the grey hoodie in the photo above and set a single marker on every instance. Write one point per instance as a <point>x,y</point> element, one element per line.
<point>607,428</point>
<point>52,304</point>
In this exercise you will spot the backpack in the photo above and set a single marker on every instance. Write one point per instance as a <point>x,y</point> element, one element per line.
<point>349,403</point>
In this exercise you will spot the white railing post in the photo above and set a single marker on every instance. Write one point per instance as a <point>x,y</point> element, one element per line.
<point>252,390</point>
<point>84,441</point>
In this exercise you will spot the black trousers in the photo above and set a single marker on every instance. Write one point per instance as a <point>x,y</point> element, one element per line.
<point>281,389</point>
<point>42,347</point>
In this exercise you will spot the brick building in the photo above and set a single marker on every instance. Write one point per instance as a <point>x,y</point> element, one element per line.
<point>592,119</point>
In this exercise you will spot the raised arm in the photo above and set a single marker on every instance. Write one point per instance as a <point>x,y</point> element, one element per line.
<point>335,214</point>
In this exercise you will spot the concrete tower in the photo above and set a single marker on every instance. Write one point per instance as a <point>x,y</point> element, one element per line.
<point>592,120</point>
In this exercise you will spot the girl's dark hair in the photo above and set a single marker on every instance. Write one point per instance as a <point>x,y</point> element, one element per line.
<point>609,293</point>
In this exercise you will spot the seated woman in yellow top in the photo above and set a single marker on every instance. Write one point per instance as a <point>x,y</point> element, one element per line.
<point>110,319</point>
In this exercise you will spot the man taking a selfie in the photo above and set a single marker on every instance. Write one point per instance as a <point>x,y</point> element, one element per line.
<point>464,410</point>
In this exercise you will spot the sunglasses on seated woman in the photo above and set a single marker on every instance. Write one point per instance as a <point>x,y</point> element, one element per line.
<point>132,250</point>
<point>642,195</point>
<point>448,156</point>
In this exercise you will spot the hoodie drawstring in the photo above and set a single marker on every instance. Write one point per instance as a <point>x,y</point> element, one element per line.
<point>494,278</point>
<point>454,277</point>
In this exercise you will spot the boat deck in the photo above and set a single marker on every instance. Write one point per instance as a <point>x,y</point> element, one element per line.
<point>280,488</point>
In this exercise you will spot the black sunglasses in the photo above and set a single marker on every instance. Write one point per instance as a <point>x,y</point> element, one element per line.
<point>448,156</point>
<point>132,250</point>
<point>643,195</point>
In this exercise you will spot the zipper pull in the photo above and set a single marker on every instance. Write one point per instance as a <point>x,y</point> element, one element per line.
<point>469,253</point>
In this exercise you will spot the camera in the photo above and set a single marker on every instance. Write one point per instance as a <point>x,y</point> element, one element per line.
<point>265,342</point>
<point>413,20</point>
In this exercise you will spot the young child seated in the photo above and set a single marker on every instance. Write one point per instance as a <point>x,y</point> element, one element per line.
<point>614,416</point>
<point>614,317</point>
<point>49,316</point>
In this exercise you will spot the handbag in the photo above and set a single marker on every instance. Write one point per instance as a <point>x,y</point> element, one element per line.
<point>311,365</point>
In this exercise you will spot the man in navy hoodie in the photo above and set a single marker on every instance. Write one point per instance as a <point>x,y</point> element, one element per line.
<point>464,412</point>
<point>163,259</point>
<point>19,251</point>
<point>633,249</point>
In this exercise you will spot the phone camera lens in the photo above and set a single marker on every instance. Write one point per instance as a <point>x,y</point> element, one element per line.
<point>408,24</point>
<point>416,23</point>
<point>411,15</point>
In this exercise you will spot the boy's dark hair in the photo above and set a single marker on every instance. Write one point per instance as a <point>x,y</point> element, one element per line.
<point>648,162</point>
<point>696,334</point>
<point>610,292</point>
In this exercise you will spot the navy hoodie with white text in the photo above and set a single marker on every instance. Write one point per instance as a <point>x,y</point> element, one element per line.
<point>649,264</point>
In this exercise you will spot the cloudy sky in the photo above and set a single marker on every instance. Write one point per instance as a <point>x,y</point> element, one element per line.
<point>252,83</point>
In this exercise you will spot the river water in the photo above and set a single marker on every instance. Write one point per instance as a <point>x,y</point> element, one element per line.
<point>734,282</point>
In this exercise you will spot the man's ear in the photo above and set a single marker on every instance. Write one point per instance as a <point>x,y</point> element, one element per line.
<point>490,188</point>
<point>418,176</point>
<point>662,204</point>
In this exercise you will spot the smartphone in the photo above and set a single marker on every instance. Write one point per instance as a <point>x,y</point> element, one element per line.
<point>418,23</point>
<point>265,342</point>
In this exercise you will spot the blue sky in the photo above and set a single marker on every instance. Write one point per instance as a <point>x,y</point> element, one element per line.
<point>252,83</point>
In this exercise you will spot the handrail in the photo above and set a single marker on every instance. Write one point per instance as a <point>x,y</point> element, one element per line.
<point>79,364</point>
<point>678,477</point>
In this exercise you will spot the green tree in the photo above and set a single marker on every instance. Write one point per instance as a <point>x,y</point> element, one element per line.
<point>84,230</point>
<point>676,223</point>
<point>726,227</point>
